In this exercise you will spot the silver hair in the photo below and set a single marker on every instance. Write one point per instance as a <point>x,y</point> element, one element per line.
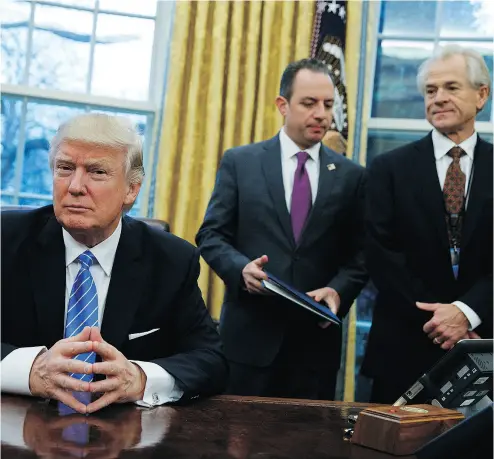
<point>477,71</point>
<point>105,130</point>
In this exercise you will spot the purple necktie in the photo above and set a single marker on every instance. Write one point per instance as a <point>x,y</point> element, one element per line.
<point>301,196</point>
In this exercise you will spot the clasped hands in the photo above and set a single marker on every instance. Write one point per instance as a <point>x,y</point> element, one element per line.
<point>253,274</point>
<point>447,326</point>
<point>51,370</point>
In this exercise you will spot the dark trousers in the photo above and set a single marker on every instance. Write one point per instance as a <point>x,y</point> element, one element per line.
<point>291,375</point>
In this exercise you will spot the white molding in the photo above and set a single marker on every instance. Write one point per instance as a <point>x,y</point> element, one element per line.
<point>161,50</point>
<point>89,9</point>
<point>403,124</point>
<point>19,156</point>
<point>79,98</point>
<point>92,48</point>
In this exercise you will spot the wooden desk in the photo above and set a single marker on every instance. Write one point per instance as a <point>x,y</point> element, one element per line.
<point>220,428</point>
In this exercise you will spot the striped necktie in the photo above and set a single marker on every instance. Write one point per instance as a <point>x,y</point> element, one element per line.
<point>82,309</point>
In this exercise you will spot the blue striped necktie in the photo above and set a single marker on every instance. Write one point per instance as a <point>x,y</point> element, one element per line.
<point>82,309</point>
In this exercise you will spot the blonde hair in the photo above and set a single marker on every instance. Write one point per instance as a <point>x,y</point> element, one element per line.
<point>108,131</point>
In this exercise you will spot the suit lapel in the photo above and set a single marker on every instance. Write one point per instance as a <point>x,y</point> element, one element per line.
<point>327,180</point>
<point>126,285</point>
<point>481,180</point>
<point>271,167</point>
<point>47,271</point>
<point>423,162</point>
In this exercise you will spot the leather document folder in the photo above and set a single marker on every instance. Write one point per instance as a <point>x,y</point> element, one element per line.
<point>279,287</point>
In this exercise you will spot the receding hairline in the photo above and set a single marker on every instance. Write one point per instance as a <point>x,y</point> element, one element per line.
<point>451,77</point>
<point>314,71</point>
<point>308,96</point>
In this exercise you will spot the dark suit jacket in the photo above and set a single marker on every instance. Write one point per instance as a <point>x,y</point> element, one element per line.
<point>408,256</point>
<point>153,284</point>
<point>247,217</point>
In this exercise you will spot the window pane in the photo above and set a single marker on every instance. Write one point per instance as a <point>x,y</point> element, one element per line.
<point>34,202</point>
<point>80,3</point>
<point>382,141</point>
<point>42,121</point>
<point>143,7</point>
<point>13,37</point>
<point>6,200</point>
<point>61,47</point>
<point>10,120</point>
<point>395,89</point>
<point>408,18</point>
<point>122,59</point>
<point>467,19</point>
<point>486,49</point>
<point>136,211</point>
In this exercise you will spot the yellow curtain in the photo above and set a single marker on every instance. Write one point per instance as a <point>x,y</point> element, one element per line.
<point>225,64</point>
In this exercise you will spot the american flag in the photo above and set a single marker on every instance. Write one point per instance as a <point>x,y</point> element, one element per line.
<point>328,45</point>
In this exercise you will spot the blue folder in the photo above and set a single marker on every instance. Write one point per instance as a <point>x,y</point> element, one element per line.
<point>279,287</point>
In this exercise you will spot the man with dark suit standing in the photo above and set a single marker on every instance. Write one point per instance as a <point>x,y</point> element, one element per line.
<point>295,208</point>
<point>429,227</point>
<point>78,267</point>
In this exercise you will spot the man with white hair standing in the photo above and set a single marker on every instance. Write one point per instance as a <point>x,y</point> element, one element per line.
<point>96,302</point>
<point>429,230</point>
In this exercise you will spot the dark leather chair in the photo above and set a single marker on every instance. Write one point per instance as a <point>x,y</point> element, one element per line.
<point>160,224</point>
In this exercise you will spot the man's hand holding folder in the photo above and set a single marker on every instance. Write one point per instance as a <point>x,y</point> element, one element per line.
<point>253,275</point>
<point>330,297</point>
<point>309,302</point>
<point>258,281</point>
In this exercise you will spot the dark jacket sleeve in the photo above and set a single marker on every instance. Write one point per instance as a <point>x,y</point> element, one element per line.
<point>352,276</point>
<point>479,298</point>
<point>384,258</point>
<point>7,349</point>
<point>198,365</point>
<point>217,233</point>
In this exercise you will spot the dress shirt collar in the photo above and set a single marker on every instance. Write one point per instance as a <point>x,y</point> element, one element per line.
<point>442,144</point>
<point>104,252</point>
<point>289,148</point>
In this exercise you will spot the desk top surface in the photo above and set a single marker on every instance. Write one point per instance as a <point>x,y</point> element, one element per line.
<point>224,427</point>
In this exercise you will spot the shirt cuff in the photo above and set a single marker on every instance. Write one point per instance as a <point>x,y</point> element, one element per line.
<point>16,368</point>
<point>470,314</point>
<point>160,385</point>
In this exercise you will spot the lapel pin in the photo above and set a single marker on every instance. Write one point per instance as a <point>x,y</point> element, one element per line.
<point>331,167</point>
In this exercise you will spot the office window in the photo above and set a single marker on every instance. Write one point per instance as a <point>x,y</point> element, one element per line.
<point>408,33</point>
<point>65,57</point>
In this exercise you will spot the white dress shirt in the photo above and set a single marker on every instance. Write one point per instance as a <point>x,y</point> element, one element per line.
<point>442,145</point>
<point>16,367</point>
<point>289,150</point>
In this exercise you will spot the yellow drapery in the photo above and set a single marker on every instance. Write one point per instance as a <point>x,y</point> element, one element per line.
<point>225,64</point>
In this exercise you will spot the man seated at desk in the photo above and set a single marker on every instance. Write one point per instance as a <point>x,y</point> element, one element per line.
<point>97,302</point>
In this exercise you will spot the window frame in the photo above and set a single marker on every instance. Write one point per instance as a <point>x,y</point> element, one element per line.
<point>414,124</point>
<point>151,108</point>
